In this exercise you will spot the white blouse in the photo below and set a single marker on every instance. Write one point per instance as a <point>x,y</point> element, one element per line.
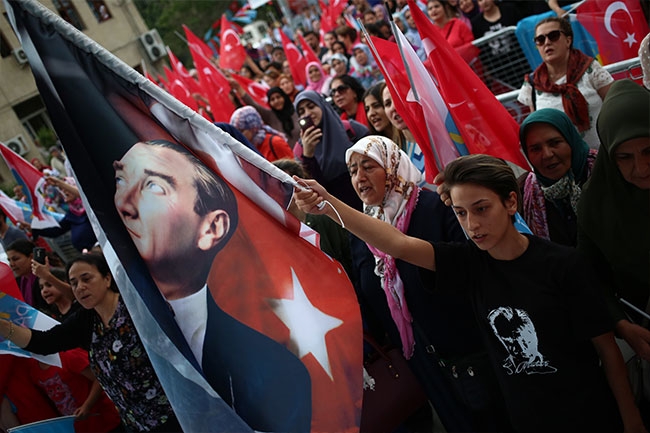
<point>595,78</point>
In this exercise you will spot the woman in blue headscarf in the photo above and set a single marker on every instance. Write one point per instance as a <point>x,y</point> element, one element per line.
<point>365,69</point>
<point>562,163</point>
<point>412,34</point>
<point>322,144</point>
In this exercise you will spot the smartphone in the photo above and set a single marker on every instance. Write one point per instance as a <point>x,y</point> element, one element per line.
<point>39,255</point>
<point>305,122</point>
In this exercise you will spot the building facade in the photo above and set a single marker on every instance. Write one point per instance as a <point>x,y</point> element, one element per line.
<point>25,125</point>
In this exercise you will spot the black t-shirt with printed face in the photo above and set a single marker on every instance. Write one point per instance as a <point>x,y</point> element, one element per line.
<point>537,314</point>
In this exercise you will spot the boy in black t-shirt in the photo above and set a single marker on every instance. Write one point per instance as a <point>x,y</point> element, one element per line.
<point>538,305</point>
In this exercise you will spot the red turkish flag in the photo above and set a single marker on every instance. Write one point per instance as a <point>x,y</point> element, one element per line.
<point>232,53</point>
<point>424,91</point>
<point>181,73</point>
<point>390,62</point>
<point>33,184</point>
<point>309,54</point>
<point>327,22</point>
<point>330,12</point>
<point>178,89</point>
<point>484,123</point>
<point>197,43</point>
<point>297,61</point>
<point>296,296</point>
<point>215,87</point>
<point>284,299</point>
<point>256,90</point>
<point>618,26</point>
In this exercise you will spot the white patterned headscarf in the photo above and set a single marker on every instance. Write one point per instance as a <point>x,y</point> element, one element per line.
<point>400,198</point>
<point>402,176</point>
<point>644,57</point>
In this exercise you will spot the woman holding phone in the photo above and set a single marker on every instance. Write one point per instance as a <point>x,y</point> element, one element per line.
<point>324,138</point>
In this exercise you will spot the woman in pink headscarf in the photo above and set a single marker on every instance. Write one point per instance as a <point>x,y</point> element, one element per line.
<point>317,79</point>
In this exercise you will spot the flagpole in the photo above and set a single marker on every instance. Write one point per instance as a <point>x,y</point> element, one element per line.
<point>395,29</point>
<point>181,37</point>
<point>573,7</point>
<point>374,50</point>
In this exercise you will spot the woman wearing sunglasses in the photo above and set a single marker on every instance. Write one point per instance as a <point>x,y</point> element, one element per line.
<point>347,94</point>
<point>567,80</point>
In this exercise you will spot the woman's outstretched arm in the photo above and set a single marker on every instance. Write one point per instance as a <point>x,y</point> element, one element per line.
<point>18,335</point>
<point>379,234</point>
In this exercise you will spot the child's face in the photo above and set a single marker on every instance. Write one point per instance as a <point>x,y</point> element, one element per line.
<point>484,216</point>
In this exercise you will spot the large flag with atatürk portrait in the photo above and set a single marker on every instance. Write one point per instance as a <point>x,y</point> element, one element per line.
<point>248,325</point>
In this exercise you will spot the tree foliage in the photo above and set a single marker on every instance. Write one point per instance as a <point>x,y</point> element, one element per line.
<point>168,17</point>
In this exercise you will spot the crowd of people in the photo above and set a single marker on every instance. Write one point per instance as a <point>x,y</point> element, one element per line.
<point>504,331</point>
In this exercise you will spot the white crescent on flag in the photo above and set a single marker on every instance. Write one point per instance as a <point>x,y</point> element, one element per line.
<point>611,10</point>
<point>229,45</point>
<point>258,90</point>
<point>178,84</point>
<point>292,47</point>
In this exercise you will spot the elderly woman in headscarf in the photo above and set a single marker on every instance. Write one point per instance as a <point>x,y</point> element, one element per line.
<point>562,163</point>
<point>270,142</point>
<point>392,297</point>
<point>614,211</point>
<point>317,79</point>
<point>323,142</point>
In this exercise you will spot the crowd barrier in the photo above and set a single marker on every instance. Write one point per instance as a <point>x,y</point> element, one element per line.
<point>501,63</point>
<point>504,74</point>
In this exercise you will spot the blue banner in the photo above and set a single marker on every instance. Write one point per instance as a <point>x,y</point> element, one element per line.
<point>22,314</point>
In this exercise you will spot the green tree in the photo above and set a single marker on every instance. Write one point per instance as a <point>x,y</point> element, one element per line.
<point>168,17</point>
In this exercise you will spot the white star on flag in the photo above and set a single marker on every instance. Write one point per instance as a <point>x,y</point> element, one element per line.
<point>630,40</point>
<point>307,324</point>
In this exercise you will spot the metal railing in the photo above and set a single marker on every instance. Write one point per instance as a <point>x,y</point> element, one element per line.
<point>630,68</point>
<point>501,63</point>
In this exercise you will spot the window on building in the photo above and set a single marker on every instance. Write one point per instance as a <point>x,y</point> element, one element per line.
<point>100,10</point>
<point>5,48</point>
<point>33,116</point>
<point>69,13</point>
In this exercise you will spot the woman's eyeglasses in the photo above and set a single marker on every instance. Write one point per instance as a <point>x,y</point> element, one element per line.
<point>342,88</point>
<point>552,36</point>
